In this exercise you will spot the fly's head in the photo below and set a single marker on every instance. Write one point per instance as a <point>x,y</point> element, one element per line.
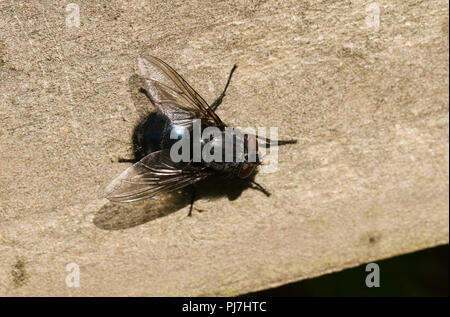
<point>250,157</point>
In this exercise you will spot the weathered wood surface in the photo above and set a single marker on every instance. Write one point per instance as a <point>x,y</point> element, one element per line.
<point>367,180</point>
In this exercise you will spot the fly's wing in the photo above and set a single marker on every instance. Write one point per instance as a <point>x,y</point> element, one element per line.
<point>156,173</point>
<point>172,95</point>
<point>115,215</point>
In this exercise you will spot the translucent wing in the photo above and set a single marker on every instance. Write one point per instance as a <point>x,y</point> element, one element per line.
<point>172,95</point>
<point>152,175</point>
<point>115,216</point>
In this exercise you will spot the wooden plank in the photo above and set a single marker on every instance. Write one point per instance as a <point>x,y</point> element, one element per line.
<point>368,178</point>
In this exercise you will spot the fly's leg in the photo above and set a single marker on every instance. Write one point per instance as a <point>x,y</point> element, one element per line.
<point>257,186</point>
<point>145,92</point>
<point>268,142</point>
<point>218,101</point>
<point>192,200</point>
<point>125,160</point>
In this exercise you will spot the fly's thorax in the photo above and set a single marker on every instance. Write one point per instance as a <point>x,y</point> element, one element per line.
<point>225,150</point>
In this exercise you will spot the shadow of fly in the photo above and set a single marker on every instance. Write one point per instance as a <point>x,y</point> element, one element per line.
<point>186,142</point>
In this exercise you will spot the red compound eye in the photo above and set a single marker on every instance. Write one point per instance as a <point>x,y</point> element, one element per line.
<point>252,143</point>
<point>246,171</point>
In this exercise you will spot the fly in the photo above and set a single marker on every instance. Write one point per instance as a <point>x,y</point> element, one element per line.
<point>179,108</point>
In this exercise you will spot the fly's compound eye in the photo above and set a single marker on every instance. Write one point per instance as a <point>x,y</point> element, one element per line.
<point>251,149</point>
<point>246,171</point>
<point>251,143</point>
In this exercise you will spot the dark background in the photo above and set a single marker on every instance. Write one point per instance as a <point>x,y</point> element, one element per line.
<point>423,273</point>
